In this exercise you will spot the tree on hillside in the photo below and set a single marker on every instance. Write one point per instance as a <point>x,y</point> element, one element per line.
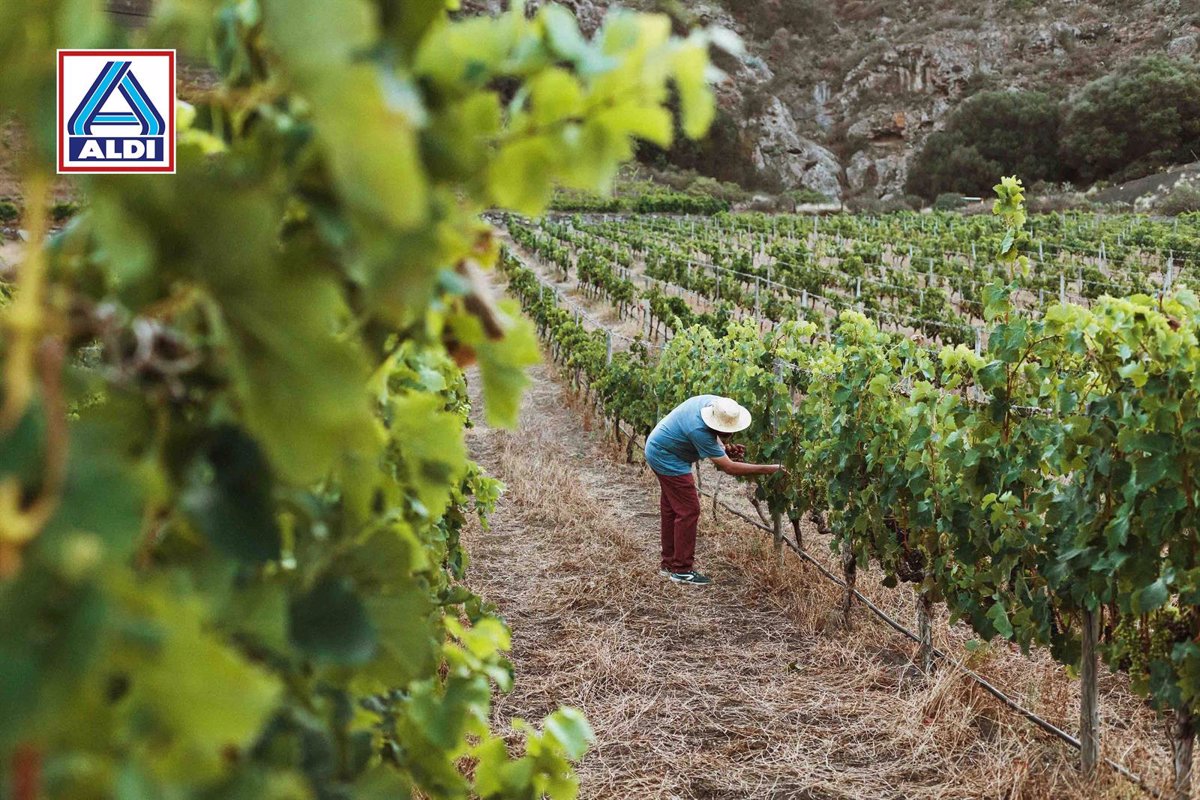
<point>1143,116</point>
<point>991,133</point>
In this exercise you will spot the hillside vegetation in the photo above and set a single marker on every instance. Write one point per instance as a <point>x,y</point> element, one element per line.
<point>1143,116</point>
<point>841,97</point>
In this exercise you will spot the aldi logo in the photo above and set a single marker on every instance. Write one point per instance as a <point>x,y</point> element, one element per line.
<point>116,110</point>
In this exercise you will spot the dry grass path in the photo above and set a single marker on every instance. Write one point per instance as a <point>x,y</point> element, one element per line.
<point>745,689</point>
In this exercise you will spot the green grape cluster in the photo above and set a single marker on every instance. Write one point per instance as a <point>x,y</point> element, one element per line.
<point>1143,645</point>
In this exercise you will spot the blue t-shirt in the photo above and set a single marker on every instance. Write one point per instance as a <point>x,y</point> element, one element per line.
<point>681,438</point>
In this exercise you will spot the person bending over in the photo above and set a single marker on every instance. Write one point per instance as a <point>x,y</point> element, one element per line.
<point>699,427</point>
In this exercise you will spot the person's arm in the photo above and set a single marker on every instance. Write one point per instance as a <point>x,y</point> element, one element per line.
<point>737,468</point>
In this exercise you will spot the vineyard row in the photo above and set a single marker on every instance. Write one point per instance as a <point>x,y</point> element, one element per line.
<point>1073,530</point>
<point>924,638</point>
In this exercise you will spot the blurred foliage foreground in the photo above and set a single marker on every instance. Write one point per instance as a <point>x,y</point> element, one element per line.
<point>232,468</point>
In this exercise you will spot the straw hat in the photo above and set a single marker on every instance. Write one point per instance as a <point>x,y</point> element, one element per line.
<point>725,415</point>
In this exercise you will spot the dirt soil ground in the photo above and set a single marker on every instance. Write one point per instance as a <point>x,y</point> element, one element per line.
<point>749,688</point>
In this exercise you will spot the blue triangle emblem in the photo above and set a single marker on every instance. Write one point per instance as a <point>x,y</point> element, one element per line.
<point>116,77</point>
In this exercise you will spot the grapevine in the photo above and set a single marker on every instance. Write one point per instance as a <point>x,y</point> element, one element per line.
<point>1046,477</point>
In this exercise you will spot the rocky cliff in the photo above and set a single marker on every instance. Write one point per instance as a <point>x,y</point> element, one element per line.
<point>837,95</point>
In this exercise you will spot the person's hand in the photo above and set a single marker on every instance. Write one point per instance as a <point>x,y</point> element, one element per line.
<point>737,452</point>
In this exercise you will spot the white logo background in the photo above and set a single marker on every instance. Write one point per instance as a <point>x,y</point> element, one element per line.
<point>156,75</point>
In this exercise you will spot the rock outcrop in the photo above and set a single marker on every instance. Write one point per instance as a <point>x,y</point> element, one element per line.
<point>781,152</point>
<point>838,95</point>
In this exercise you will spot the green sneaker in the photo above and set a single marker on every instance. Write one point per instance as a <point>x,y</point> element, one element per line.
<point>694,578</point>
<point>664,572</point>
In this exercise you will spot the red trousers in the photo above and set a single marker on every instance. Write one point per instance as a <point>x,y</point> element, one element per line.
<point>680,507</point>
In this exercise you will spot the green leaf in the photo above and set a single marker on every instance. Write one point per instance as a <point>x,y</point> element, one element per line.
<point>431,451</point>
<point>174,664</point>
<point>992,375</point>
<point>227,496</point>
<point>997,301</point>
<point>491,758</point>
<point>330,624</point>
<point>124,243</point>
<point>1134,372</point>
<point>102,494</point>
<point>286,349</point>
<point>572,731</point>
<point>562,33</point>
<point>484,639</point>
<point>370,140</point>
<point>1007,243</point>
<point>521,174</point>
<point>444,719</point>
<point>503,366</point>
<point>651,123</point>
<point>404,619</point>
<point>1150,598</point>
<point>382,783</point>
<point>555,96</point>
<point>697,105</point>
<point>21,448</point>
<point>999,617</point>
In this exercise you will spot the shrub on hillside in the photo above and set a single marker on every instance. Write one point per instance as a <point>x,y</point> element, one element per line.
<point>806,196</point>
<point>667,202</point>
<point>949,201</point>
<point>721,190</point>
<point>990,134</point>
<point>1059,201</point>
<point>1143,116</point>
<point>721,154</point>
<point>764,17</point>
<point>584,202</point>
<point>946,164</point>
<point>9,211</point>
<point>63,211</point>
<point>1183,199</point>
<point>641,198</point>
<point>875,205</point>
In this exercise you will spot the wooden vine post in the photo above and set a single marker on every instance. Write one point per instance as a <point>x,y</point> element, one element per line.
<point>925,632</point>
<point>777,535</point>
<point>608,351</point>
<point>1089,703</point>
<point>1183,740</point>
<point>776,515</point>
<point>849,574</point>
